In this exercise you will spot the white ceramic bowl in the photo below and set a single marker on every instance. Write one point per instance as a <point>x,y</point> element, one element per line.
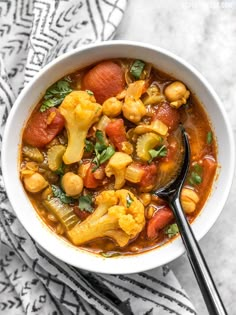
<point>80,58</point>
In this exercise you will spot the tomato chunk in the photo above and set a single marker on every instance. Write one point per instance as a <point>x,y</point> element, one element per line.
<point>161,219</point>
<point>168,115</point>
<point>43,127</point>
<point>81,213</point>
<point>116,132</point>
<point>149,177</point>
<point>105,80</point>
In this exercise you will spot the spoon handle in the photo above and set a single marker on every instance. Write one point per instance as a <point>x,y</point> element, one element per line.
<point>209,291</point>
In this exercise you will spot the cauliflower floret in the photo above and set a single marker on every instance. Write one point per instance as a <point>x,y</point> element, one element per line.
<point>117,166</point>
<point>133,108</point>
<point>119,215</point>
<point>80,111</point>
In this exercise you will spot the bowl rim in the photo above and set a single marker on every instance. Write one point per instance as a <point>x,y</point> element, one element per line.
<point>109,267</point>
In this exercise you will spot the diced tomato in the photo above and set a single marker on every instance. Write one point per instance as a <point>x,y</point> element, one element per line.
<point>89,180</point>
<point>168,115</point>
<point>105,80</point>
<point>116,133</point>
<point>149,177</point>
<point>81,213</point>
<point>161,219</point>
<point>43,127</point>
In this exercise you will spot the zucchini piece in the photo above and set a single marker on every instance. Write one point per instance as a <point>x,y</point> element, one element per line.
<point>63,212</point>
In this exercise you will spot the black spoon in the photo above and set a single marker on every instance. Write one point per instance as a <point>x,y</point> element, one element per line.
<point>171,194</point>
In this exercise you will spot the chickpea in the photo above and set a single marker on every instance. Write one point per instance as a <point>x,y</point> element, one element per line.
<point>35,182</point>
<point>112,107</point>
<point>134,110</point>
<point>189,200</point>
<point>177,94</point>
<point>150,211</point>
<point>145,198</point>
<point>83,168</point>
<point>72,184</point>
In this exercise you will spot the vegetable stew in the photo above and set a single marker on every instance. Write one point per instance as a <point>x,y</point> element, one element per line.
<point>97,145</point>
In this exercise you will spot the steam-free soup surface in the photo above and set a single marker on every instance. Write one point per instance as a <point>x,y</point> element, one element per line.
<point>97,145</point>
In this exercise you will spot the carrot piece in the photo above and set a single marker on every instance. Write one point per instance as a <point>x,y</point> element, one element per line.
<point>81,213</point>
<point>209,168</point>
<point>161,219</point>
<point>105,80</point>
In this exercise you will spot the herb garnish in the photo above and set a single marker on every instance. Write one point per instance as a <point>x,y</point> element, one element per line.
<point>196,175</point>
<point>60,171</point>
<point>172,230</point>
<point>56,93</point>
<point>89,147</point>
<point>159,152</point>
<point>209,137</point>
<point>89,92</point>
<point>59,193</point>
<point>109,254</point>
<point>137,69</point>
<point>103,151</point>
<point>129,200</point>
<point>85,203</point>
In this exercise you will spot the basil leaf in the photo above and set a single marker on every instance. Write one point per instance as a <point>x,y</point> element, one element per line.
<point>137,69</point>
<point>85,203</point>
<point>59,193</point>
<point>106,154</point>
<point>55,94</point>
<point>129,200</point>
<point>209,137</point>
<point>88,146</point>
<point>172,230</point>
<point>160,152</point>
<point>89,92</point>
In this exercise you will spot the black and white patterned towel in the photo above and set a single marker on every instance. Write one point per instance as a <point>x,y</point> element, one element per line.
<point>32,33</point>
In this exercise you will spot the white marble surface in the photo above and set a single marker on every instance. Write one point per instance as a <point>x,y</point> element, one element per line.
<point>204,34</point>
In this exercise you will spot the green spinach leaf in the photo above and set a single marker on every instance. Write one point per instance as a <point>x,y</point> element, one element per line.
<point>137,69</point>
<point>159,152</point>
<point>55,94</point>
<point>85,203</point>
<point>59,193</point>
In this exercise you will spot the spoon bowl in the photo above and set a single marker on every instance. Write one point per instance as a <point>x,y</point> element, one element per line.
<point>171,194</point>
